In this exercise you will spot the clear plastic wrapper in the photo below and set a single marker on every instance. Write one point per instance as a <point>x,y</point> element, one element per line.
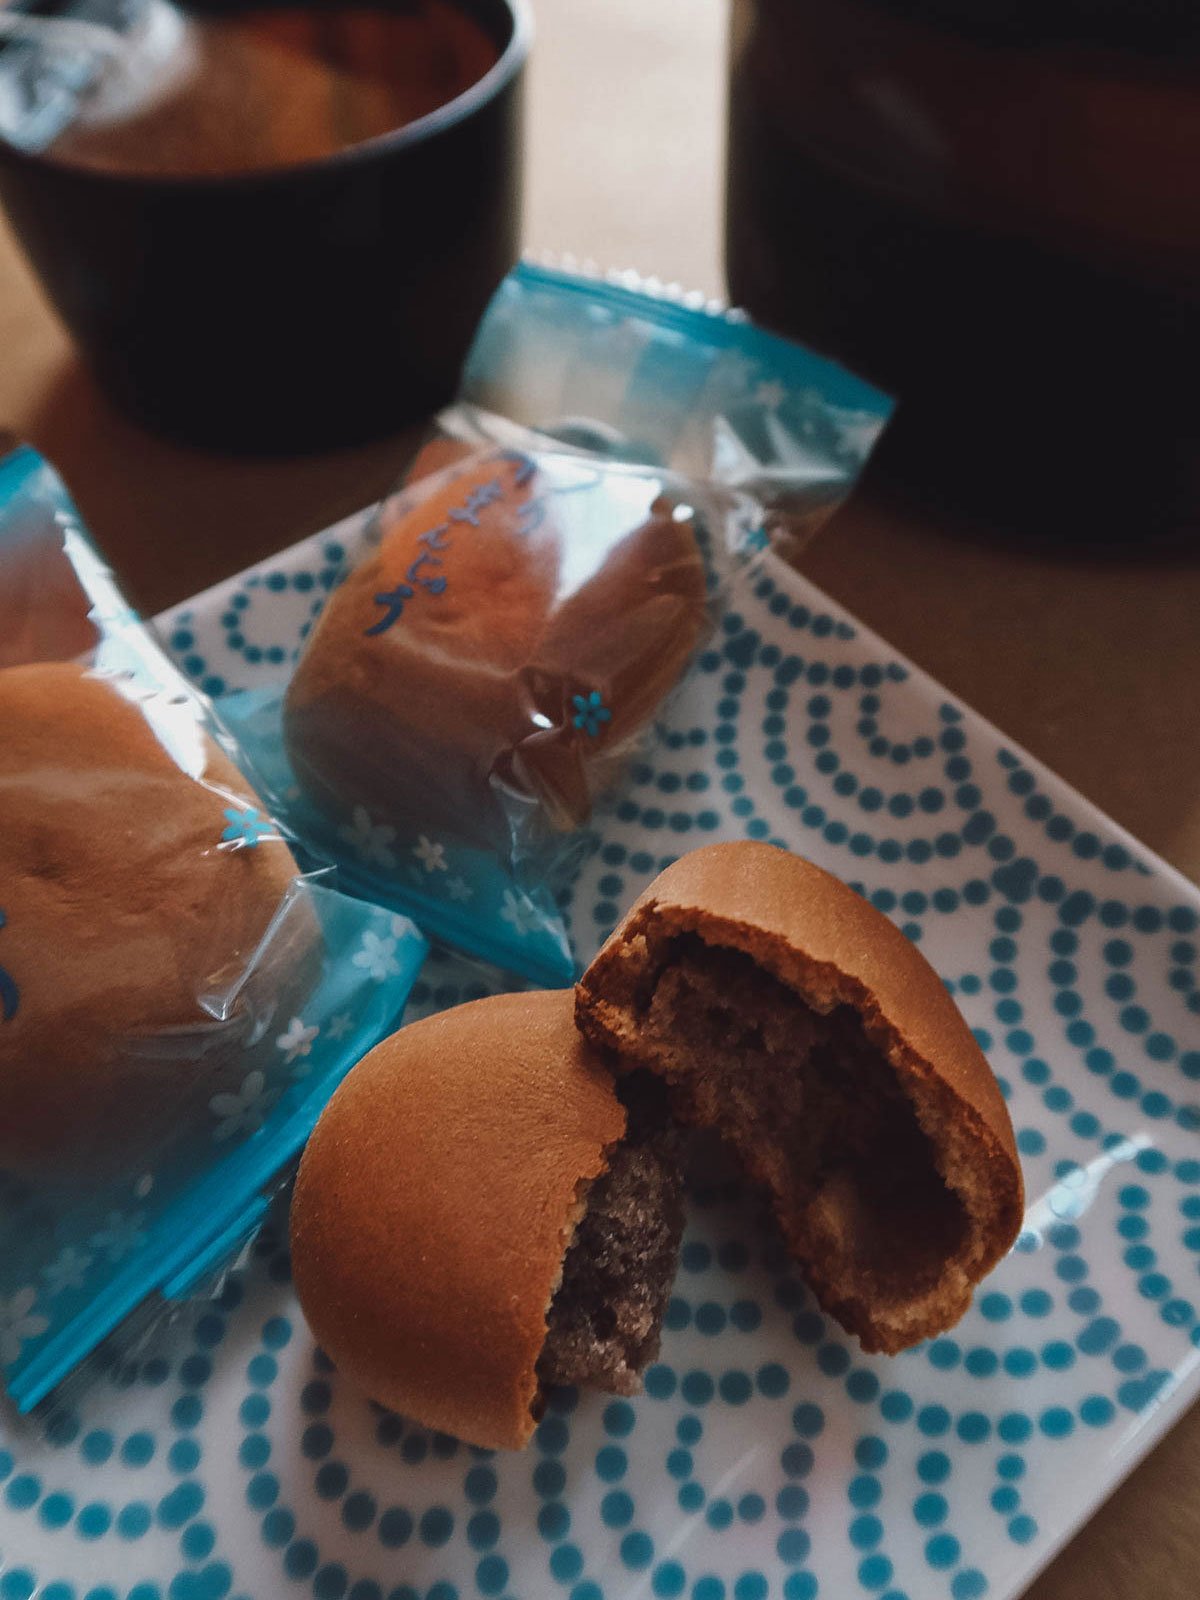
<point>636,371</point>
<point>178,996</point>
<point>475,684</point>
<point>85,60</point>
<point>521,610</point>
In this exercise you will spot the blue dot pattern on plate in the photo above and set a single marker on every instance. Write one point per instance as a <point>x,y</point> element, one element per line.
<point>768,1456</point>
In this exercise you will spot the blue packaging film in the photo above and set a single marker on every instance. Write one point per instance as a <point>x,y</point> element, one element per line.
<point>586,406</point>
<point>172,1187</point>
<point>655,376</point>
<point>473,902</point>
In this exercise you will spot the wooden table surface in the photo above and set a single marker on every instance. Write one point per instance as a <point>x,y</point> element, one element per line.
<point>1090,664</point>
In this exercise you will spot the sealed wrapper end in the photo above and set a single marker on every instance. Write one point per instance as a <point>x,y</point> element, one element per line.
<point>782,1009</point>
<point>477,1217</point>
<point>481,673</point>
<point>634,371</point>
<point>177,998</point>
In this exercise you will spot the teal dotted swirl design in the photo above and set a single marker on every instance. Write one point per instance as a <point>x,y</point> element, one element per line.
<point>768,1458</point>
<point>263,622</point>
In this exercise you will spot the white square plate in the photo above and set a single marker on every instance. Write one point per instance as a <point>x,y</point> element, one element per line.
<point>768,1457</point>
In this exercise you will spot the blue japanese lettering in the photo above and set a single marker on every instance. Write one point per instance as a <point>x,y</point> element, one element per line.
<point>525,465</point>
<point>424,559</point>
<point>478,500</point>
<point>393,602</point>
<point>433,539</point>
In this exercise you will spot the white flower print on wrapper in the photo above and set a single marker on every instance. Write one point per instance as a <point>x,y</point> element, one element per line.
<point>459,889</point>
<point>430,854</point>
<point>521,917</point>
<point>738,372</point>
<point>296,1041</point>
<point>68,1270</point>
<point>340,1025</point>
<point>243,1112</point>
<point>771,394</point>
<point>369,840</point>
<point>120,1236</point>
<point>19,1323</point>
<point>377,956</point>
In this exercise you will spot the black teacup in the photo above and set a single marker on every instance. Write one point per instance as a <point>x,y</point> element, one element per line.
<point>293,306</point>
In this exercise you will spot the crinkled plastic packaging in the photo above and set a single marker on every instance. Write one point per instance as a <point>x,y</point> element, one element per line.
<point>520,612</point>
<point>475,683</point>
<point>637,372</point>
<point>178,996</point>
<point>88,61</point>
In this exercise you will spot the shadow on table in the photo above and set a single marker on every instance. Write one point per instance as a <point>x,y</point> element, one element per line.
<point>1105,475</point>
<point>173,520</point>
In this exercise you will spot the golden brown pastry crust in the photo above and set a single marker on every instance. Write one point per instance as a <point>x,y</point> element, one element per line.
<point>119,910</point>
<point>832,948</point>
<point>470,687</point>
<point>435,1203</point>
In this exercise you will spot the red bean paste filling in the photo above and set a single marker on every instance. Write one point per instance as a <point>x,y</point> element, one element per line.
<point>605,1322</point>
<point>810,1102</point>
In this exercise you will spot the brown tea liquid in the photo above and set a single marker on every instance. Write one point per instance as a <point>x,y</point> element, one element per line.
<point>267,88</point>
